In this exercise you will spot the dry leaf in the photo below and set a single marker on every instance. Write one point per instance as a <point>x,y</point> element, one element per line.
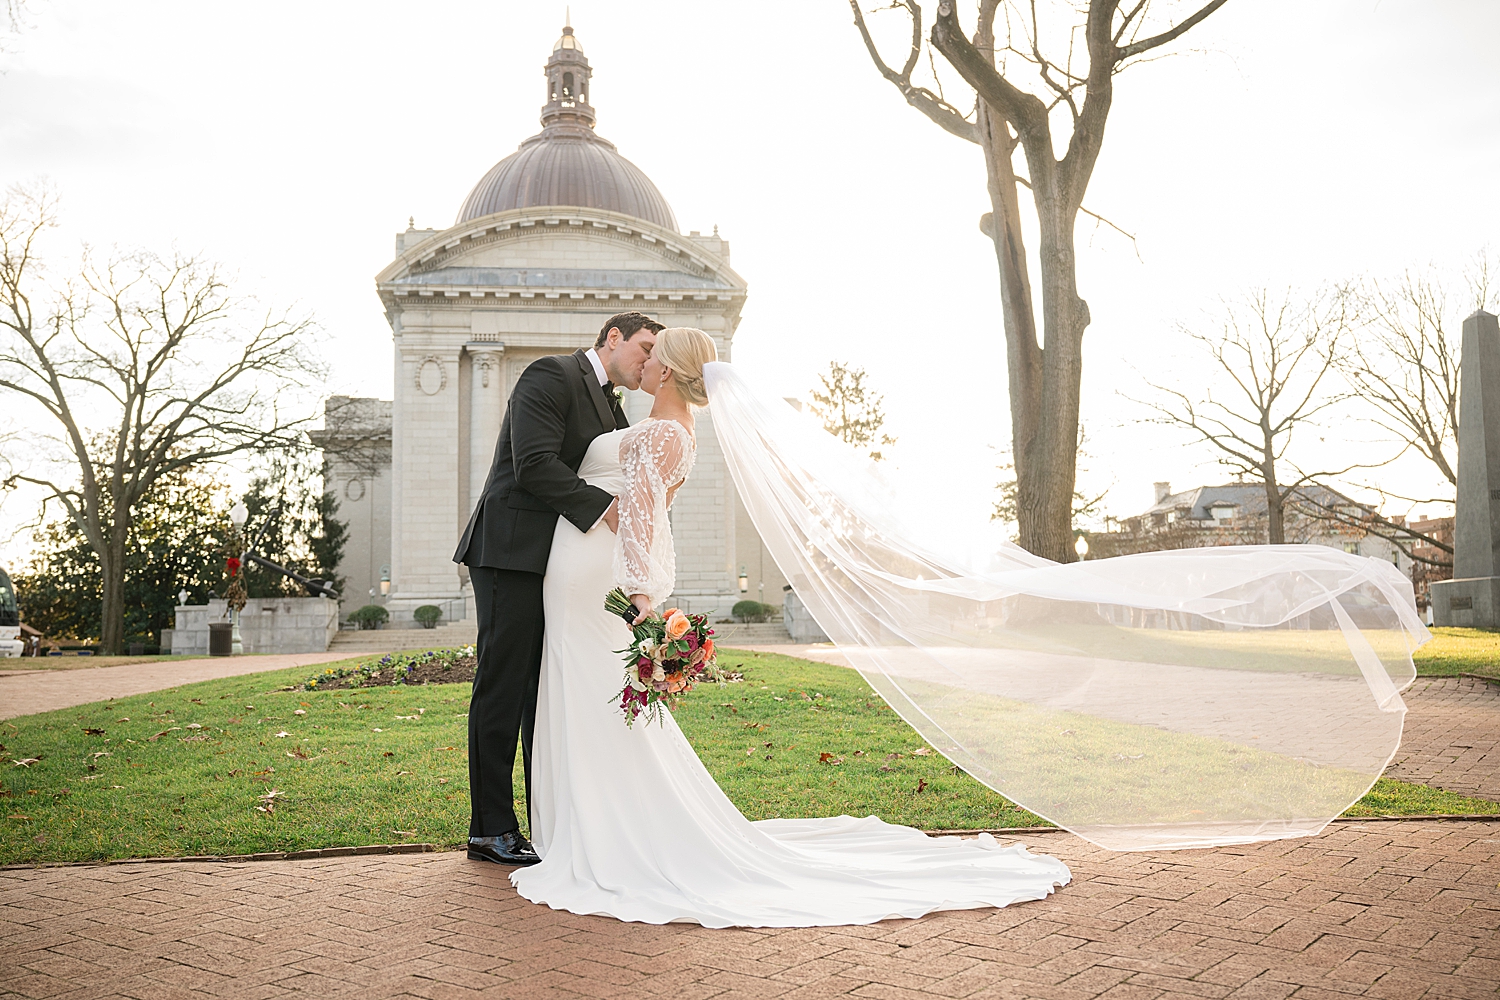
<point>892,756</point>
<point>26,761</point>
<point>17,816</point>
<point>828,758</point>
<point>122,720</point>
<point>442,781</point>
<point>922,752</point>
<point>192,725</point>
<point>389,753</point>
<point>859,753</point>
<point>408,716</point>
<point>93,732</point>
<point>282,735</point>
<point>921,784</point>
<point>377,730</point>
<point>300,711</point>
<point>447,748</point>
<point>777,698</point>
<point>885,767</point>
<point>161,734</point>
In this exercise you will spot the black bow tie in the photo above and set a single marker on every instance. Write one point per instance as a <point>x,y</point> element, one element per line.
<point>609,388</point>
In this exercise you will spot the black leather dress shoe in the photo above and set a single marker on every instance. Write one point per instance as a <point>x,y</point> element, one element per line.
<point>507,849</point>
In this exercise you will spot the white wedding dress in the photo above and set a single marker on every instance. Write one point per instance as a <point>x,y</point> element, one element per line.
<point>630,824</point>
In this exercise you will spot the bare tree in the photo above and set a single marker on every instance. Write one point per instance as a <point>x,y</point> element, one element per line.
<point>1045,378</point>
<point>1276,359</point>
<point>850,410</point>
<point>138,367</point>
<point>1405,363</point>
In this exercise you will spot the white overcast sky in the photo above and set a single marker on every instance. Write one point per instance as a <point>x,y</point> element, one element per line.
<point>1287,144</point>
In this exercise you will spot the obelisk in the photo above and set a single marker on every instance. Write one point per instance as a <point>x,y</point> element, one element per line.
<point>1472,597</point>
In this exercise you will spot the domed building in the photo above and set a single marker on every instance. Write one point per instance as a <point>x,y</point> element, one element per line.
<point>552,241</point>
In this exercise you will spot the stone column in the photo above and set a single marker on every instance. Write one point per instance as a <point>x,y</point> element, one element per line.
<point>486,397</point>
<point>1472,597</point>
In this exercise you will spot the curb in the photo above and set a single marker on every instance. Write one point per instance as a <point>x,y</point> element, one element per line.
<point>371,849</point>
<point>308,855</point>
<point>1438,817</point>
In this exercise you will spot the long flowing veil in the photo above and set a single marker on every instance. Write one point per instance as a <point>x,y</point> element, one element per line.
<point>1169,699</point>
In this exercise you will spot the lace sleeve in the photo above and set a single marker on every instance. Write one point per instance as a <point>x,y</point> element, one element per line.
<point>654,457</point>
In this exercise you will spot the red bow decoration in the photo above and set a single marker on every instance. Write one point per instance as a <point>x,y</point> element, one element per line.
<point>233,565</point>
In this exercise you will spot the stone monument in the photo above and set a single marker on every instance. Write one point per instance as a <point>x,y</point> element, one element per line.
<point>1472,597</point>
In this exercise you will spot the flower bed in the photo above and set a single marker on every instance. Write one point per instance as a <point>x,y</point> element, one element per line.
<point>434,666</point>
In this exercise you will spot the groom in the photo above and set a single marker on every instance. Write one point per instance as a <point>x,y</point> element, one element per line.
<point>559,405</point>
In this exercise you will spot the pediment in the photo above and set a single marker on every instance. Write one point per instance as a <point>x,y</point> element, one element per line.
<point>590,246</point>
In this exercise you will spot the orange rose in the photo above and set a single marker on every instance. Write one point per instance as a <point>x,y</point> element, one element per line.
<point>669,613</point>
<point>708,649</point>
<point>677,625</point>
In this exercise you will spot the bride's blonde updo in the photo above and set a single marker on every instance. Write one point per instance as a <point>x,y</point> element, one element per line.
<point>686,350</point>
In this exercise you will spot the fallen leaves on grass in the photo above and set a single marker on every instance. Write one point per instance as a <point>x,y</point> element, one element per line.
<point>161,734</point>
<point>26,761</point>
<point>281,735</point>
<point>268,801</point>
<point>921,784</point>
<point>922,752</point>
<point>828,758</point>
<point>93,732</point>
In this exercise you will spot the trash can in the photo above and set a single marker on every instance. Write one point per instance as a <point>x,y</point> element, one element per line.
<point>220,638</point>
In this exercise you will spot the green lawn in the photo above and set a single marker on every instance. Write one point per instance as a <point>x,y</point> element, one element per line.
<point>1454,651</point>
<point>386,765</point>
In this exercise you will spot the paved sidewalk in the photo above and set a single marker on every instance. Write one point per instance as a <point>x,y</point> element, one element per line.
<point>44,690</point>
<point>1396,911</point>
<point>1452,736</point>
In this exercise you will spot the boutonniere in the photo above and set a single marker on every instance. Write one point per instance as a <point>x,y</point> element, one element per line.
<point>616,394</point>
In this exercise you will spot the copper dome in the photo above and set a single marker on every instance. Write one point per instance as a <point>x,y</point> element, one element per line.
<point>568,170</point>
<point>567,164</point>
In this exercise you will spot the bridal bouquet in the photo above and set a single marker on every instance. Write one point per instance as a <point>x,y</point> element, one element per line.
<point>668,656</point>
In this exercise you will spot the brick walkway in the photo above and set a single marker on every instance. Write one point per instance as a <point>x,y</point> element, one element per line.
<point>1395,911</point>
<point>1452,736</point>
<point>31,691</point>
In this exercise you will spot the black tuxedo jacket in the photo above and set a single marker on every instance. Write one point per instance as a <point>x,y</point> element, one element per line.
<point>556,410</point>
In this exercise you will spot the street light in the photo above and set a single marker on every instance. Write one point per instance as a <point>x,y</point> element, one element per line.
<point>744,581</point>
<point>1081,547</point>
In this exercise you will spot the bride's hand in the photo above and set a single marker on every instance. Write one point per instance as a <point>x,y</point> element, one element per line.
<point>643,605</point>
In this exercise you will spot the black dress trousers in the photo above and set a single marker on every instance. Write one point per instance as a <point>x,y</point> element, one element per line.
<point>503,706</point>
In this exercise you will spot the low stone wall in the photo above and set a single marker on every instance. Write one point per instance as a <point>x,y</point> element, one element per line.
<point>267,625</point>
<point>800,624</point>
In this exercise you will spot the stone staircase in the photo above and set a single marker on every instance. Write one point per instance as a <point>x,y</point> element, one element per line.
<point>756,634</point>
<point>359,642</point>
<point>356,642</point>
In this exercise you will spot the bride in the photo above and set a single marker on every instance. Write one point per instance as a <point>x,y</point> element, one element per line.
<point>628,822</point>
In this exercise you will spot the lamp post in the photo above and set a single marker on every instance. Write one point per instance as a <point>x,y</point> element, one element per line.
<point>744,581</point>
<point>235,596</point>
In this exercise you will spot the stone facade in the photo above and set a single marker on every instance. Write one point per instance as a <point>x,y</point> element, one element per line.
<point>356,443</point>
<point>267,625</point>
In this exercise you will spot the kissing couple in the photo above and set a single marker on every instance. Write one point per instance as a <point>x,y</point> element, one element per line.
<point>627,822</point>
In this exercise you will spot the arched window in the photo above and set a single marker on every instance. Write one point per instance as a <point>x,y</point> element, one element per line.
<point>552,90</point>
<point>567,90</point>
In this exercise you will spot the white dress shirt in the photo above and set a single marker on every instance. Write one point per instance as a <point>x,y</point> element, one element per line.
<point>593,357</point>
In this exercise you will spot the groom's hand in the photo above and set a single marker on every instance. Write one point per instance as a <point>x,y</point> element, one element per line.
<point>612,515</point>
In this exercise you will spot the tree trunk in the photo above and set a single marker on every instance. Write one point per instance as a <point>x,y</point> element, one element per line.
<point>1047,486</point>
<point>112,604</point>
<point>1023,353</point>
<point>1275,508</point>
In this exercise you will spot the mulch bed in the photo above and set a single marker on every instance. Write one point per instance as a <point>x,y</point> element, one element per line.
<point>460,671</point>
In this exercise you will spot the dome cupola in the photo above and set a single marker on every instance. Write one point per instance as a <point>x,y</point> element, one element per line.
<point>567,164</point>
